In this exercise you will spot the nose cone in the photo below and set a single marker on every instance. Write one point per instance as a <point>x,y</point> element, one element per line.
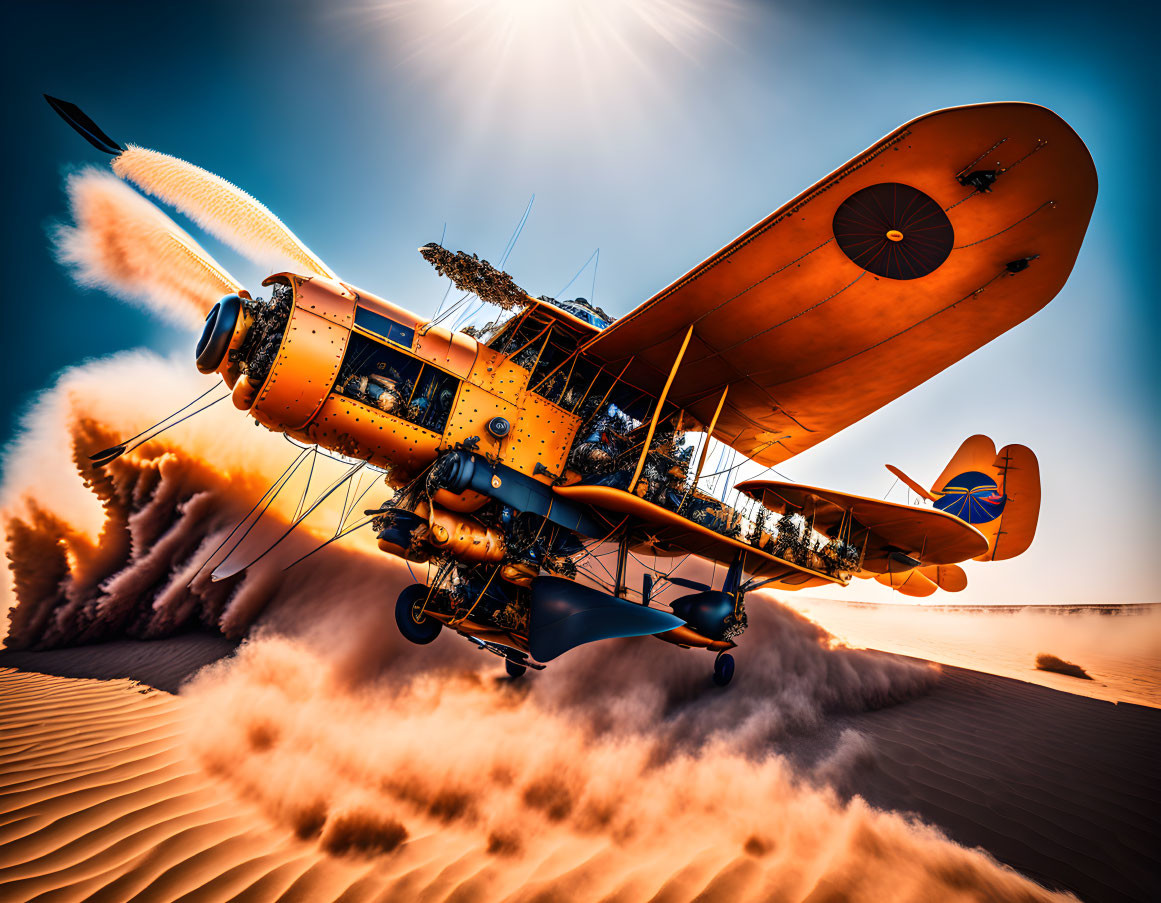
<point>217,333</point>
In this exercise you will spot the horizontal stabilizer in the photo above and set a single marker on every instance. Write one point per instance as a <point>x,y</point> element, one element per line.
<point>566,614</point>
<point>948,577</point>
<point>909,583</point>
<point>910,483</point>
<point>879,528</point>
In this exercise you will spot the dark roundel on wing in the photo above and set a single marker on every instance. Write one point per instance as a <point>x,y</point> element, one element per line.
<point>973,497</point>
<point>893,230</point>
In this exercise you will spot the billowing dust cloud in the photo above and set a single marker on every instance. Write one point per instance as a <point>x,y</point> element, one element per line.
<point>120,242</point>
<point>101,553</point>
<point>619,773</point>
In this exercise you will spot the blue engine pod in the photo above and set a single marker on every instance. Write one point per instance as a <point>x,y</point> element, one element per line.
<point>706,612</point>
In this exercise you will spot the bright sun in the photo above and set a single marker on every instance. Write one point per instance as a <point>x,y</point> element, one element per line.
<point>538,59</point>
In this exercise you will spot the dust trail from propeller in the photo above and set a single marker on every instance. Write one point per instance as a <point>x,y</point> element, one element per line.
<point>221,208</point>
<point>620,772</point>
<point>121,242</point>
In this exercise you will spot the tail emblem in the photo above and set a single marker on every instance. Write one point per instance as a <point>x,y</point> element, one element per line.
<point>973,497</point>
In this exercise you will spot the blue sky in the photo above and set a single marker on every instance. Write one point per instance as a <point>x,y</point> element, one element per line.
<point>656,133</point>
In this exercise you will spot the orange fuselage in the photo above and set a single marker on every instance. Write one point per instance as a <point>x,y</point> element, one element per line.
<point>302,397</point>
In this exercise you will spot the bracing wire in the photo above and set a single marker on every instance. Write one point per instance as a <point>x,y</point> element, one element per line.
<point>294,524</point>
<point>584,267</point>
<point>334,538</point>
<point>472,309</point>
<point>346,499</point>
<point>306,488</point>
<point>159,422</point>
<point>511,246</point>
<point>447,291</point>
<point>271,491</point>
<point>154,435</point>
<point>355,504</point>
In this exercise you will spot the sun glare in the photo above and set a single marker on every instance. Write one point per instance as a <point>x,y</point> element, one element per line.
<point>534,61</point>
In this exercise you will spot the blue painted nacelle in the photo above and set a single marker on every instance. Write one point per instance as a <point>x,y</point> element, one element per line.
<point>706,612</point>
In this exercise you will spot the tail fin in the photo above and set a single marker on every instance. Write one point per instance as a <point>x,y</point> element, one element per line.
<point>997,493</point>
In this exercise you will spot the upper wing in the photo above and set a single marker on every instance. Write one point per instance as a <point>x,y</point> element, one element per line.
<point>816,316</point>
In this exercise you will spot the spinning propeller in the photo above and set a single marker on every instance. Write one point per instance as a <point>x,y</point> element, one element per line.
<point>221,208</point>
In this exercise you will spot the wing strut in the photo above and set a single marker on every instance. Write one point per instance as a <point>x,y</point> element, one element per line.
<point>657,410</point>
<point>709,433</point>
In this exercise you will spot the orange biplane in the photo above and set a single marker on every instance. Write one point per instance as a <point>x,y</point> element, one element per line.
<point>512,453</point>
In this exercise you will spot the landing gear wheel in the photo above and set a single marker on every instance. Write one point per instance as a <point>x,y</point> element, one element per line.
<point>723,669</point>
<point>514,669</point>
<point>415,626</point>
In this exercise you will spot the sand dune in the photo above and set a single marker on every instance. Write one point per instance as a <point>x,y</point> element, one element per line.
<point>104,796</point>
<point>161,664</point>
<point>1061,787</point>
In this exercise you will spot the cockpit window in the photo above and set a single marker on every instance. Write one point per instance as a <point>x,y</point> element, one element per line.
<point>383,326</point>
<point>387,379</point>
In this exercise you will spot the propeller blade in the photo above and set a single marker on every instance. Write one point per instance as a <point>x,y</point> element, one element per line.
<point>222,209</point>
<point>689,584</point>
<point>84,126</point>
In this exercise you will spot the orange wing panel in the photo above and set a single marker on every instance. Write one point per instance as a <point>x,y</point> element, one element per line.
<point>670,529</point>
<point>808,340</point>
<point>932,536</point>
